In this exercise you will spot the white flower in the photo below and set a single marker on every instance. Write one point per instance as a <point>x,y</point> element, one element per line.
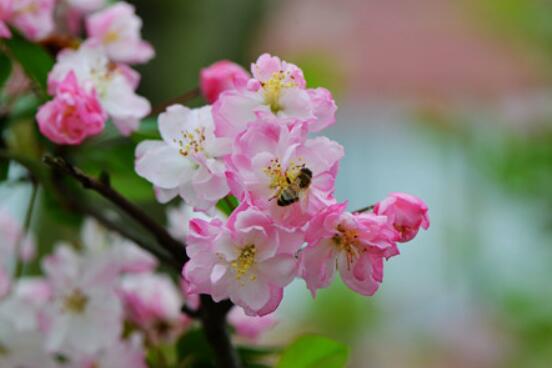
<point>86,313</point>
<point>188,161</point>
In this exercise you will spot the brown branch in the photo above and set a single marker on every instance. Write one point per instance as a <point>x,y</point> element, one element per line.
<point>213,319</point>
<point>365,209</point>
<point>186,97</point>
<point>173,246</point>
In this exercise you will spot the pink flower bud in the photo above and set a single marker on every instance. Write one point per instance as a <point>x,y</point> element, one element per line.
<point>73,115</point>
<point>407,213</point>
<point>221,76</point>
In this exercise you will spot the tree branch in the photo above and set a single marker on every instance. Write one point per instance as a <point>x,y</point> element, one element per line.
<point>365,209</point>
<point>213,319</point>
<point>173,246</point>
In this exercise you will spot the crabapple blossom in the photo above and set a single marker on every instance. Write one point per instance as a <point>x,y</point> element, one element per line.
<point>117,28</point>
<point>278,89</point>
<point>407,213</point>
<point>73,115</point>
<point>85,314</point>
<point>250,327</point>
<point>219,77</point>
<point>22,325</point>
<point>114,83</point>
<point>248,259</point>
<point>354,244</point>
<point>267,167</point>
<point>23,348</point>
<point>34,18</point>
<point>188,161</point>
<point>15,246</point>
<point>121,354</point>
<point>152,302</point>
<point>5,14</point>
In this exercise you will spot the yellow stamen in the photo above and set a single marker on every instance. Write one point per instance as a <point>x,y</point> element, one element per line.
<point>280,180</point>
<point>75,302</point>
<point>273,89</point>
<point>346,240</point>
<point>191,141</point>
<point>244,262</point>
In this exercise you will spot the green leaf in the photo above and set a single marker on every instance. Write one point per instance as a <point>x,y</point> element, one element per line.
<point>35,60</point>
<point>228,204</point>
<point>194,350</point>
<point>4,166</point>
<point>5,68</point>
<point>312,351</point>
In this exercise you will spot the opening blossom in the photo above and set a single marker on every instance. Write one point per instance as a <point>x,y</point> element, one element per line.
<point>114,84</point>
<point>278,89</point>
<point>248,259</point>
<point>117,28</point>
<point>73,115</point>
<point>353,244</point>
<point>406,213</point>
<point>188,161</point>
<point>222,76</point>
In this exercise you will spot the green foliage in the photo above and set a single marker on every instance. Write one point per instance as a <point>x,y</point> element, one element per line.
<point>5,68</point>
<point>312,351</point>
<point>193,350</point>
<point>36,62</point>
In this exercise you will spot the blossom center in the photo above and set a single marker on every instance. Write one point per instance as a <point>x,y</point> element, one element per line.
<point>273,89</point>
<point>346,241</point>
<point>244,262</point>
<point>75,302</point>
<point>111,37</point>
<point>191,142</point>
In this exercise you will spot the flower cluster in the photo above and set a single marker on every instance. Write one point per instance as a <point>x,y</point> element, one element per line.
<point>100,305</point>
<point>94,81</point>
<point>254,143</point>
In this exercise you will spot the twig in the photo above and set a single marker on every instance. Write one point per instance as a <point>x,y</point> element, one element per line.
<point>365,209</point>
<point>186,97</point>
<point>173,246</point>
<point>19,270</point>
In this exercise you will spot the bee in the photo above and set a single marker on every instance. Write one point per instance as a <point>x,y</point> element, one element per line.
<point>290,194</point>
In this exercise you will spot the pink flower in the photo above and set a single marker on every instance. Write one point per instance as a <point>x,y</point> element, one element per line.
<point>278,89</point>
<point>221,76</point>
<point>282,172</point>
<point>248,259</point>
<point>354,244</point>
<point>250,327</point>
<point>35,18</point>
<point>114,83</point>
<point>153,303</point>
<point>5,14</point>
<point>407,213</point>
<point>73,115</point>
<point>188,161</point>
<point>118,29</point>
